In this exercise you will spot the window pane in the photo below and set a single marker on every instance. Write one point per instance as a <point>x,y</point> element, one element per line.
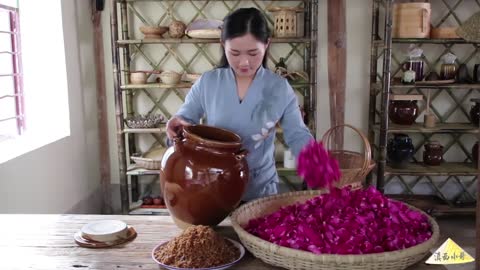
<point>10,3</point>
<point>4,20</point>
<point>7,107</point>
<point>6,63</point>
<point>5,42</point>
<point>8,129</point>
<point>6,86</point>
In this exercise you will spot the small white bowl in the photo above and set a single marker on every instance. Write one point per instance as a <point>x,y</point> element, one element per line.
<point>105,230</point>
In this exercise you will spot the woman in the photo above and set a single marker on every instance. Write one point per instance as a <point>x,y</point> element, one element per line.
<point>243,96</point>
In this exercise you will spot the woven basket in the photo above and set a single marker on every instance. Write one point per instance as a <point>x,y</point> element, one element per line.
<point>150,160</point>
<point>302,260</point>
<point>285,21</point>
<point>354,165</point>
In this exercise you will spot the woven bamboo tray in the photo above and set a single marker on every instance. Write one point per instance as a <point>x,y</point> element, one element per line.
<point>302,260</point>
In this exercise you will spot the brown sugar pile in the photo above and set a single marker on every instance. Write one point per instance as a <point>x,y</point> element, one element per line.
<point>197,247</point>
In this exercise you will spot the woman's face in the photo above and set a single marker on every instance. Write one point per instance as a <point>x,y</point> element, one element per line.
<point>245,54</point>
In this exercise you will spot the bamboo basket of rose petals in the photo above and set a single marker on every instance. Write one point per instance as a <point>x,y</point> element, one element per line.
<point>343,229</point>
<point>354,166</point>
<point>333,228</point>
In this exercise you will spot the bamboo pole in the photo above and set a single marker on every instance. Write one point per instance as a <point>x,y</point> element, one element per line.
<point>105,178</point>
<point>477,212</point>
<point>373,81</point>
<point>119,109</point>
<point>337,66</point>
<point>387,55</point>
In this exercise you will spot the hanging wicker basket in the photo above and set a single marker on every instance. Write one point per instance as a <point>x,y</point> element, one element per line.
<point>354,165</point>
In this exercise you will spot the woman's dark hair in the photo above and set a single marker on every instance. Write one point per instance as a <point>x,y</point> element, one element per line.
<point>245,21</point>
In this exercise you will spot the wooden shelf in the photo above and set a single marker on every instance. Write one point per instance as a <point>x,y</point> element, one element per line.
<point>432,40</point>
<point>183,85</point>
<point>224,0</point>
<point>155,85</point>
<point>446,169</point>
<point>149,211</point>
<point>439,86</point>
<point>285,171</point>
<point>435,206</point>
<point>134,170</point>
<point>439,128</point>
<point>201,40</point>
<point>144,130</point>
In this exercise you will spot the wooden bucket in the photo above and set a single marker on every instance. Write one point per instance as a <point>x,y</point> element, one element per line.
<point>411,20</point>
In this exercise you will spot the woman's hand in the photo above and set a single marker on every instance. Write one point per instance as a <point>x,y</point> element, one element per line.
<point>175,125</point>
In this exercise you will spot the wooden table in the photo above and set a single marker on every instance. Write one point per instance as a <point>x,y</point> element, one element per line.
<point>46,242</point>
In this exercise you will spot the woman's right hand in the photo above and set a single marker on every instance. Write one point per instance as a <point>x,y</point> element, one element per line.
<point>175,126</point>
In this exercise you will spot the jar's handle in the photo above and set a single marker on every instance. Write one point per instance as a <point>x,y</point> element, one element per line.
<point>177,139</point>
<point>241,154</point>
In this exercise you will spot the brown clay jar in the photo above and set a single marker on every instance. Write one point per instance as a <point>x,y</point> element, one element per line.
<point>403,112</point>
<point>433,154</point>
<point>475,111</point>
<point>204,175</point>
<point>475,153</point>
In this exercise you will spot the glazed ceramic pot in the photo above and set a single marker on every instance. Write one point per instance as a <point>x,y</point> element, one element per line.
<point>475,153</point>
<point>448,71</point>
<point>433,154</point>
<point>403,112</point>
<point>400,150</point>
<point>204,175</point>
<point>476,73</point>
<point>475,111</point>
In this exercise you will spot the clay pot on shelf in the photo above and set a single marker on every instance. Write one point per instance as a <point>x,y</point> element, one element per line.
<point>176,29</point>
<point>476,73</point>
<point>400,150</point>
<point>475,153</point>
<point>403,112</point>
<point>153,32</point>
<point>138,77</point>
<point>433,154</point>
<point>475,111</point>
<point>448,71</point>
<point>462,75</point>
<point>204,175</point>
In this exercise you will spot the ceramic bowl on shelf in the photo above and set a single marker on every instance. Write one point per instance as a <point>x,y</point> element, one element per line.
<point>191,77</point>
<point>105,230</point>
<point>153,32</point>
<point>170,77</point>
<point>138,77</point>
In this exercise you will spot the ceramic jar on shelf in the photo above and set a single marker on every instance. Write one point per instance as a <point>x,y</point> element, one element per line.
<point>403,109</point>
<point>400,150</point>
<point>475,153</point>
<point>475,111</point>
<point>433,154</point>
<point>448,70</point>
